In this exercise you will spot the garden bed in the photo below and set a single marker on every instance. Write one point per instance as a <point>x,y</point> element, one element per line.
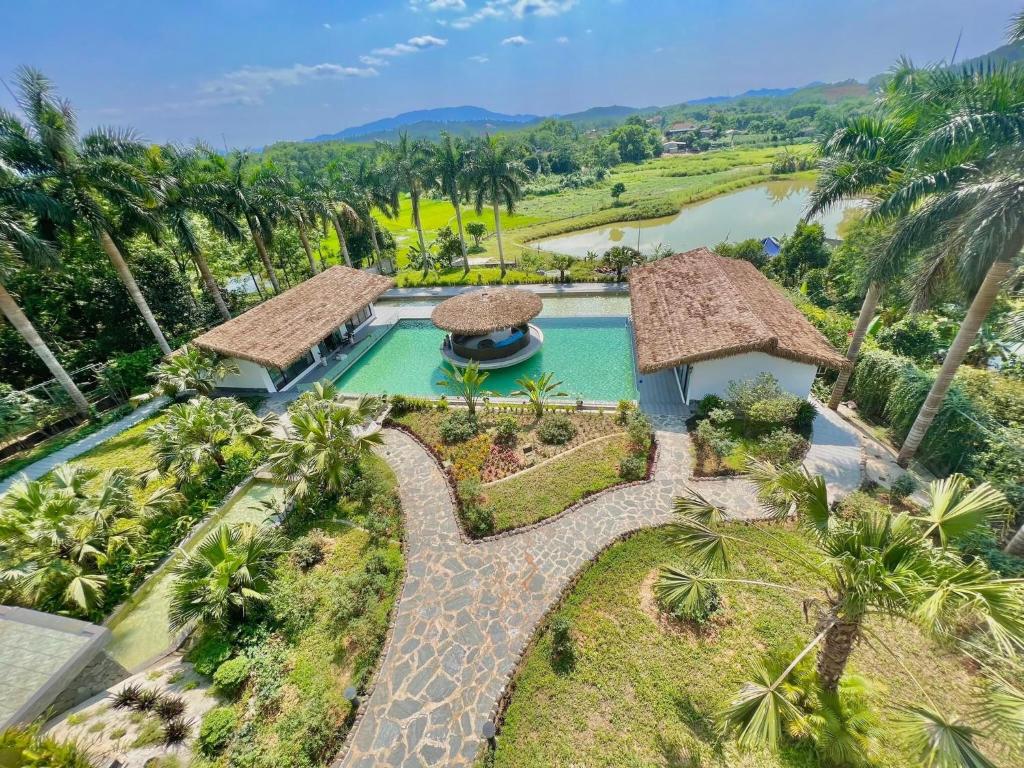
<point>639,694</point>
<point>510,469</point>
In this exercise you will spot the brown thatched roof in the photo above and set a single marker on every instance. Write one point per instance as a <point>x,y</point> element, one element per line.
<point>478,312</point>
<point>279,331</point>
<point>698,306</point>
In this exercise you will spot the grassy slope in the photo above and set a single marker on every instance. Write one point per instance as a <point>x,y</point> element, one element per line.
<point>544,491</point>
<point>639,696</point>
<point>654,189</point>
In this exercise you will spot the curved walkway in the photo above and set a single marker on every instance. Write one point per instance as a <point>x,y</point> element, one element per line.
<point>467,611</point>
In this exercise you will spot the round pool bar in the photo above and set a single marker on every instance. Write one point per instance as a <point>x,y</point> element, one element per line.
<point>490,327</point>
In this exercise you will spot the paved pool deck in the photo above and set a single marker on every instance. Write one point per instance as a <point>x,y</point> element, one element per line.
<point>541,289</point>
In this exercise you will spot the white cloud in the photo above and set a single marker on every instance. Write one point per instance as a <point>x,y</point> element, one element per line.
<point>563,40</point>
<point>491,10</point>
<point>326,25</point>
<point>521,8</point>
<point>516,40</point>
<point>516,9</point>
<point>412,45</point>
<point>479,59</point>
<point>250,85</point>
<point>438,5</point>
<point>373,61</point>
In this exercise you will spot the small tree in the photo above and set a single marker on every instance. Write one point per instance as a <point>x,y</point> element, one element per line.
<point>538,391</point>
<point>562,262</point>
<point>476,230</point>
<point>467,383</point>
<point>620,257</point>
<point>192,369</point>
<point>617,189</point>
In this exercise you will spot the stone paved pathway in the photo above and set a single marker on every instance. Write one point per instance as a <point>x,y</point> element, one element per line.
<point>38,469</point>
<point>467,610</point>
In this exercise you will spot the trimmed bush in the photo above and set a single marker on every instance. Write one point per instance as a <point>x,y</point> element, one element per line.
<point>633,467</point>
<point>308,550</point>
<point>707,404</point>
<point>231,675</point>
<point>556,429</point>
<point>915,336</point>
<point>458,427</point>
<point>902,486</point>
<point>216,730</point>
<point>506,429</point>
<point>717,439</point>
<point>780,447</point>
<point>478,518</point>
<point>209,652</point>
<point>563,653</point>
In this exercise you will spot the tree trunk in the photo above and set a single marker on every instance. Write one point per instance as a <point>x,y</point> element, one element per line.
<point>24,327</point>
<point>976,314</point>
<point>415,200</point>
<point>255,282</point>
<point>462,237</point>
<point>341,239</point>
<point>867,311</point>
<point>1016,545</point>
<point>305,246</point>
<point>261,249</point>
<point>497,234</point>
<point>835,652</point>
<point>211,285</point>
<point>128,279</point>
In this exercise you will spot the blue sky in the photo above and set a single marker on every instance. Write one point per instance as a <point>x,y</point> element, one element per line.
<point>250,72</point>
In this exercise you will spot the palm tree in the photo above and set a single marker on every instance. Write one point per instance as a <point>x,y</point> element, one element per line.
<point>538,391</point>
<point>225,577</point>
<point>959,201</point>
<point>451,162</point>
<point>860,156</point>
<point>193,436</point>
<point>467,383</point>
<point>190,188</point>
<point>247,196</point>
<point>408,162</point>
<point>325,443</point>
<point>562,262</point>
<point>868,561</point>
<point>497,178</point>
<point>89,178</point>
<point>373,189</point>
<point>18,243</point>
<point>58,534</point>
<point>192,370</point>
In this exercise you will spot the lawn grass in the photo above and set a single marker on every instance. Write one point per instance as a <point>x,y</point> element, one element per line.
<point>641,695</point>
<point>546,490</point>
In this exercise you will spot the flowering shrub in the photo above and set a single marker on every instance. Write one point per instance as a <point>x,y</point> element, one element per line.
<point>468,458</point>
<point>502,462</point>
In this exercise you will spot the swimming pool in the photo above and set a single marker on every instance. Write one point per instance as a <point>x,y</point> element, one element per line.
<point>592,356</point>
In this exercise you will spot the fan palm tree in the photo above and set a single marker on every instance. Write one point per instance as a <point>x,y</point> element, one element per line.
<point>497,178</point>
<point>408,162</point>
<point>89,178</point>
<point>190,188</point>
<point>190,440</point>
<point>224,578</point>
<point>248,196</point>
<point>867,561</point>
<point>451,162</point>
<point>467,383</point>
<point>19,244</point>
<point>861,156</point>
<point>325,443</point>
<point>538,391</point>
<point>192,370</point>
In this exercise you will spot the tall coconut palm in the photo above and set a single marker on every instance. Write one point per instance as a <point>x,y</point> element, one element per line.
<point>298,201</point>
<point>858,158</point>
<point>190,188</point>
<point>497,178</point>
<point>373,189</point>
<point>247,197</point>
<point>408,162</point>
<point>960,200</point>
<point>19,244</point>
<point>224,578</point>
<point>92,178</point>
<point>868,561</point>
<point>451,162</point>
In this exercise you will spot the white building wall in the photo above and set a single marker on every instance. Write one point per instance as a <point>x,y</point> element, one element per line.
<point>712,377</point>
<point>250,376</point>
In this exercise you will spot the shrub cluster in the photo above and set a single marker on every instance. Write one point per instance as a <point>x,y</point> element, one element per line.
<point>476,515</point>
<point>168,707</point>
<point>232,675</point>
<point>556,429</point>
<point>216,730</point>
<point>505,429</point>
<point>458,427</point>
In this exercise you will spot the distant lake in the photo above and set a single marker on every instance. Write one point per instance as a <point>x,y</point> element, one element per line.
<point>763,210</point>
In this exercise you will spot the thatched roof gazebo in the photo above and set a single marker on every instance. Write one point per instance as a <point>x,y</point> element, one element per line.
<point>476,313</point>
<point>490,327</point>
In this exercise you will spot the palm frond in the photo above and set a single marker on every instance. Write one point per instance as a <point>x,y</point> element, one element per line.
<point>940,741</point>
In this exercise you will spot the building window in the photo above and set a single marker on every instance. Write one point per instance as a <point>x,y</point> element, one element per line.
<point>281,377</point>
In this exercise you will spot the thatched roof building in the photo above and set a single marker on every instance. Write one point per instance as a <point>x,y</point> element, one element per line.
<point>282,330</point>
<point>490,309</point>
<point>698,306</point>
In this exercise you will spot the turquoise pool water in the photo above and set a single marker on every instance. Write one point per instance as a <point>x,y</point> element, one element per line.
<point>593,356</point>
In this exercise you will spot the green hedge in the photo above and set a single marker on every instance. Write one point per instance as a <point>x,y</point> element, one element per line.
<point>968,434</point>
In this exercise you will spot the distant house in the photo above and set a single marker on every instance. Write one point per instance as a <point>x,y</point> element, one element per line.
<point>656,120</point>
<point>771,247</point>
<point>277,342</point>
<point>672,147</point>
<point>708,133</point>
<point>712,320</point>
<point>680,130</point>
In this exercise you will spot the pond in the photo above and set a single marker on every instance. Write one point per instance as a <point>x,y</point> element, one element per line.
<point>592,356</point>
<point>769,209</point>
<point>140,633</point>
